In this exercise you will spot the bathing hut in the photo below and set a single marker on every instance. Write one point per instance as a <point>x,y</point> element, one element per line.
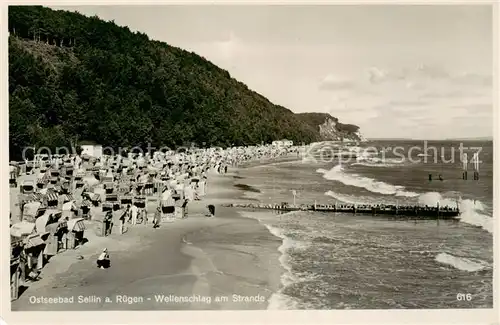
<point>29,167</point>
<point>66,187</point>
<point>109,187</point>
<point>167,204</point>
<point>201,190</point>
<point>67,198</point>
<point>95,198</point>
<point>126,199</point>
<point>32,210</point>
<point>140,202</point>
<point>190,192</point>
<point>123,188</point>
<point>68,169</point>
<point>54,226</point>
<point>69,210</point>
<point>79,175</point>
<point>42,181</point>
<point>149,189</point>
<point>85,206</point>
<point>107,206</point>
<point>79,183</point>
<point>113,199</point>
<point>27,187</point>
<point>13,176</point>
<point>76,229</point>
<point>119,221</point>
<point>16,249</point>
<point>107,177</point>
<point>51,199</point>
<point>34,246</point>
<point>54,176</point>
<point>104,224</point>
<point>180,207</point>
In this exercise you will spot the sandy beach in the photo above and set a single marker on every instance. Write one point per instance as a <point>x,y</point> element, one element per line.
<point>227,262</point>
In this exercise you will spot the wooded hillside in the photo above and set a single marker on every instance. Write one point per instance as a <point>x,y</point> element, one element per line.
<point>75,78</point>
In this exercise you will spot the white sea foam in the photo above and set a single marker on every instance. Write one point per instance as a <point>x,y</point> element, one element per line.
<point>378,165</point>
<point>470,211</point>
<point>368,161</point>
<point>377,160</point>
<point>279,301</point>
<point>372,185</point>
<point>288,277</point>
<point>461,263</point>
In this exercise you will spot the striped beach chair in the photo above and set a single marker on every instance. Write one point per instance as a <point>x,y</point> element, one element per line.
<point>67,198</point>
<point>149,189</point>
<point>158,187</point>
<point>51,199</point>
<point>87,203</point>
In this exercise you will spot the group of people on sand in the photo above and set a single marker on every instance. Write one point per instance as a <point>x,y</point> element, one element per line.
<point>175,171</point>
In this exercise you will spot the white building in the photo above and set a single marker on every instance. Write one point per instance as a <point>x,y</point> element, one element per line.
<point>93,150</point>
<point>282,143</point>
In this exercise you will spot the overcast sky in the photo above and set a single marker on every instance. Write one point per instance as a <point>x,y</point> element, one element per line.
<point>396,71</point>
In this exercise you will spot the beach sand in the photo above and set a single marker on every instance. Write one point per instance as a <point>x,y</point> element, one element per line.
<point>205,258</point>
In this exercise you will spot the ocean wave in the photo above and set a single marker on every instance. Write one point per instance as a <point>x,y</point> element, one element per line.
<point>377,160</point>
<point>377,165</point>
<point>370,184</point>
<point>280,301</point>
<point>461,263</point>
<point>470,210</point>
<point>289,277</point>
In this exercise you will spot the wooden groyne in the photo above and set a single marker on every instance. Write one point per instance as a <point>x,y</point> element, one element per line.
<point>416,212</point>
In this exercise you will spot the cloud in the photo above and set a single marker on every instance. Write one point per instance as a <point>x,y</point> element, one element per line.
<point>386,101</point>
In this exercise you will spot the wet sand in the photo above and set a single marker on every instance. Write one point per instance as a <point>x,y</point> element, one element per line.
<point>208,259</point>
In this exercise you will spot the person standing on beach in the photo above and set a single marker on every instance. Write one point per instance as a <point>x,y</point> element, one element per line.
<point>157,217</point>
<point>133,214</point>
<point>108,223</point>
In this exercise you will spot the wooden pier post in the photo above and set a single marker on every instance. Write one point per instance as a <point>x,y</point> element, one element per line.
<point>464,167</point>
<point>475,161</point>
<point>437,213</point>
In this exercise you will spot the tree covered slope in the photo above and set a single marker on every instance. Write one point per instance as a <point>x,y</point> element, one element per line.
<point>75,78</point>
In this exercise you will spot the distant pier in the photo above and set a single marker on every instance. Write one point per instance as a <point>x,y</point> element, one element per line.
<point>416,212</point>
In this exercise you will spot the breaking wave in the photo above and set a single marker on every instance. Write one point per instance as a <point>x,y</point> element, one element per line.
<point>471,212</point>
<point>461,263</point>
<point>370,184</point>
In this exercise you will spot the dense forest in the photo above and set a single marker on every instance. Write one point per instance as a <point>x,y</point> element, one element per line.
<point>74,78</point>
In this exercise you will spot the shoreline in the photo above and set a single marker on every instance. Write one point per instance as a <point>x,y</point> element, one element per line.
<point>194,257</point>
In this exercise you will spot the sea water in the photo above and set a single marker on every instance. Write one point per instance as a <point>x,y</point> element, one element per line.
<point>345,261</point>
